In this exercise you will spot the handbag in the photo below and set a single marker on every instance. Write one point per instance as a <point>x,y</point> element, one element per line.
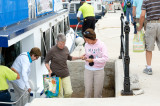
<point>138,42</point>
<point>52,86</point>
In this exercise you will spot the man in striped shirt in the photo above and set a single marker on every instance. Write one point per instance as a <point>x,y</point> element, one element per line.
<point>152,9</point>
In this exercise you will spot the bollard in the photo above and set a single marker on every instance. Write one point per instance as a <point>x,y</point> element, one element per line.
<point>121,36</point>
<point>126,90</point>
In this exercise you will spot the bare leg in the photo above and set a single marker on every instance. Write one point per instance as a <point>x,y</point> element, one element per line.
<point>148,57</point>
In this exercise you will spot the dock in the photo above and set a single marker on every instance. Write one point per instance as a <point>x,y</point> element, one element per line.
<point>108,30</point>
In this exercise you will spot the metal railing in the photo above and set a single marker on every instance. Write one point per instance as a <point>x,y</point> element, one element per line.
<point>12,103</point>
<point>124,55</point>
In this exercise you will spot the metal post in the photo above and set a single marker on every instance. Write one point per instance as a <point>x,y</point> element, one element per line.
<point>126,90</point>
<point>122,36</point>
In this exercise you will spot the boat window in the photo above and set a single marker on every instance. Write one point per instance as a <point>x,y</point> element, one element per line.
<point>45,44</point>
<point>77,7</point>
<point>66,25</point>
<point>71,10</point>
<point>53,35</point>
<point>9,54</point>
<point>65,6</point>
<point>99,7</point>
<point>61,30</point>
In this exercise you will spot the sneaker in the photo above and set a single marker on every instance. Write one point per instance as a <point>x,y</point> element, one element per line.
<point>148,71</point>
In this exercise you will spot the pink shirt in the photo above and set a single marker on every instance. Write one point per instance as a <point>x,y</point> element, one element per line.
<point>99,52</point>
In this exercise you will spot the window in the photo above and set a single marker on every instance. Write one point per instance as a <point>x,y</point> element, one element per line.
<point>45,43</point>
<point>54,35</point>
<point>61,27</point>
<point>66,25</point>
<point>77,7</point>
<point>9,54</point>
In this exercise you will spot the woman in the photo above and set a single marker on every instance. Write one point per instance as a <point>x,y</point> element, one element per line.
<point>95,57</point>
<point>58,55</point>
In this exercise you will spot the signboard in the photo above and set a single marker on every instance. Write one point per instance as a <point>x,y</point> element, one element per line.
<point>44,6</point>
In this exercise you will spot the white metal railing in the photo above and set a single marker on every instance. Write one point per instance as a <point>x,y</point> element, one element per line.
<point>12,103</point>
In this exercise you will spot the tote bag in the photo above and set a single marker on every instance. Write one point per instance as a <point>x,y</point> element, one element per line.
<point>138,42</point>
<point>52,86</point>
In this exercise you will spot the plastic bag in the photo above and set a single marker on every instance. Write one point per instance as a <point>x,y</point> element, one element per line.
<point>138,42</point>
<point>52,86</point>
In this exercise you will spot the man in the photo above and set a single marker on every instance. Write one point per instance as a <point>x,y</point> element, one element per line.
<point>152,34</point>
<point>88,14</point>
<point>6,74</point>
<point>137,4</point>
<point>129,4</point>
<point>22,66</point>
<point>58,55</point>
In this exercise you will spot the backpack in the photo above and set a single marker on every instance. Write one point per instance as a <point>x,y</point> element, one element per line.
<point>129,4</point>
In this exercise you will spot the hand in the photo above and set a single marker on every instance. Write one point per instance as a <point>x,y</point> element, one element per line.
<point>139,28</point>
<point>80,21</point>
<point>50,72</point>
<point>89,60</point>
<point>83,57</point>
<point>29,90</point>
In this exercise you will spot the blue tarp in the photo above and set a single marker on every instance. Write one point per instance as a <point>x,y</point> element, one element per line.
<point>12,11</point>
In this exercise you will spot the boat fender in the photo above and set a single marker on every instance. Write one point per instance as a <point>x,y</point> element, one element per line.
<point>79,41</point>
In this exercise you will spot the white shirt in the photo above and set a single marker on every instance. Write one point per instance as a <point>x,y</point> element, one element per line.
<point>22,66</point>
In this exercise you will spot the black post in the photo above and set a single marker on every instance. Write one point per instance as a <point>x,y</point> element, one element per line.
<point>126,90</point>
<point>122,36</point>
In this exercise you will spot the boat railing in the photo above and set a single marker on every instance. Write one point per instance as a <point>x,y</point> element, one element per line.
<point>12,103</point>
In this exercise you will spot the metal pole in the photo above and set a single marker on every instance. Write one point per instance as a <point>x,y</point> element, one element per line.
<point>122,36</point>
<point>126,90</point>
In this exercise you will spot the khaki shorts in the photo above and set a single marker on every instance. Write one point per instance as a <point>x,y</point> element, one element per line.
<point>152,35</point>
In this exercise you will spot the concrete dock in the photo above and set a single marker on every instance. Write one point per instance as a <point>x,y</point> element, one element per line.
<point>108,30</point>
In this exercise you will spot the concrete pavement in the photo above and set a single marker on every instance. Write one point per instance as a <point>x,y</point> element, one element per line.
<point>108,30</point>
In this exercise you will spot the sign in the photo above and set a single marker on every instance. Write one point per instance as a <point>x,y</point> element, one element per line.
<point>44,6</point>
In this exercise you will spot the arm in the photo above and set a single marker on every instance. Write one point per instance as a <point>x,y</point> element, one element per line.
<point>79,14</point>
<point>25,72</point>
<point>142,18</point>
<point>47,59</point>
<point>25,69</point>
<point>134,11</point>
<point>78,19</point>
<point>48,68</point>
<point>104,57</point>
<point>18,76</point>
<point>76,58</point>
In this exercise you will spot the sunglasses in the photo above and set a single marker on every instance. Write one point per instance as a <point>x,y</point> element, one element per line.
<point>86,33</point>
<point>91,57</point>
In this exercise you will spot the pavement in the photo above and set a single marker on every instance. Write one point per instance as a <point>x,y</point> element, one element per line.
<point>108,30</point>
<point>110,34</point>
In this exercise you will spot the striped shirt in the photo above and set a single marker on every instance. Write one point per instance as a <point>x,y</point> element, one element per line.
<point>152,8</point>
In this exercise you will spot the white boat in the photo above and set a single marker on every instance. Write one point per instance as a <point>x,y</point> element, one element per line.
<point>38,28</point>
